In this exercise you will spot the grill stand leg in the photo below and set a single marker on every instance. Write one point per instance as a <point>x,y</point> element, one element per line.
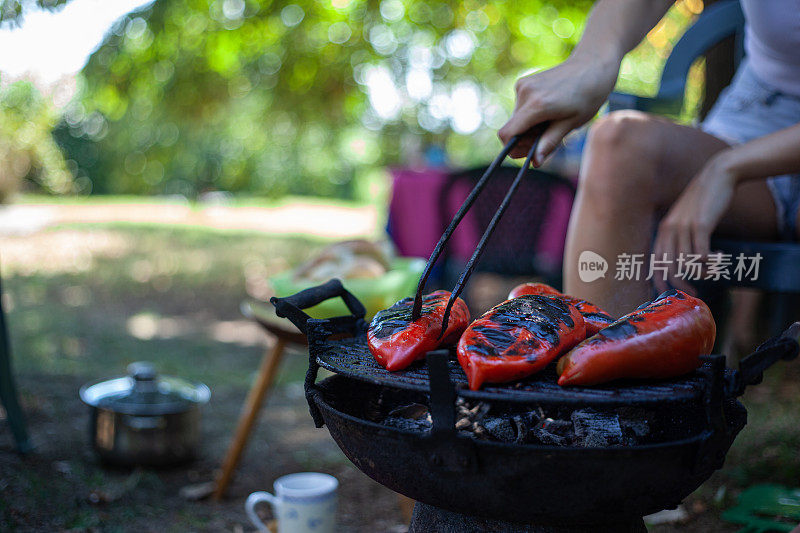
<point>429,519</point>
<point>252,406</point>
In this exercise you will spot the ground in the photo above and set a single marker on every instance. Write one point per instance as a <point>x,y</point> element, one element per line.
<point>86,299</point>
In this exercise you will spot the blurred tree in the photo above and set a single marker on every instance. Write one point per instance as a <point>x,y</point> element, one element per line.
<point>275,97</point>
<point>13,11</point>
<point>27,149</point>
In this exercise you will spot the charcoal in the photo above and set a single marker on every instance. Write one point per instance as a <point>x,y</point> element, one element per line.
<point>545,437</point>
<point>562,428</point>
<point>633,421</point>
<point>594,429</point>
<point>411,417</point>
<point>408,424</point>
<point>524,424</point>
<point>639,428</point>
<point>478,431</point>
<point>584,428</point>
<point>595,440</point>
<point>413,411</point>
<point>501,429</point>
<point>634,431</point>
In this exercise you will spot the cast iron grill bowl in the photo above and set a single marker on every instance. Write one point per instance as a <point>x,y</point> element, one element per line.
<point>693,420</point>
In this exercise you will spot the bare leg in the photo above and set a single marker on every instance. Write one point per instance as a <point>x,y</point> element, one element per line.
<point>635,166</point>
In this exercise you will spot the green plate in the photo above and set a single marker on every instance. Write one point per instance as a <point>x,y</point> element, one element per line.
<point>375,293</point>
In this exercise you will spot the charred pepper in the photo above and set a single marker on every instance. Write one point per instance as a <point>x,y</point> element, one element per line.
<point>396,341</point>
<point>595,318</point>
<point>518,338</point>
<point>660,339</point>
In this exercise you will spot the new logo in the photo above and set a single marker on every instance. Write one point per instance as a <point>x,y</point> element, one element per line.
<point>591,266</point>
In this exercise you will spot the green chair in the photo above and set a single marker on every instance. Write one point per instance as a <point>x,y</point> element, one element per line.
<point>8,391</point>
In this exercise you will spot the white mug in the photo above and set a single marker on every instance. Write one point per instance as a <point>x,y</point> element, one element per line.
<point>303,503</point>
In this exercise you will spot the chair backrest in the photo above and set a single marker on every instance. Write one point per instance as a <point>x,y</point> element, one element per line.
<point>529,239</point>
<point>717,22</point>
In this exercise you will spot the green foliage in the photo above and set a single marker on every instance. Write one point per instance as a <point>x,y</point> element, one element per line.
<point>27,149</point>
<point>271,97</point>
<point>312,97</point>
<point>641,69</point>
<point>13,11</point>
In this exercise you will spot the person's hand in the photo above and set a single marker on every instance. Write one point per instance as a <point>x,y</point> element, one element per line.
<point>568,96</point>
<point>687,227</point>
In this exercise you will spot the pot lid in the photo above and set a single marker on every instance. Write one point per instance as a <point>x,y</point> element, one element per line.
<point>144,392</point>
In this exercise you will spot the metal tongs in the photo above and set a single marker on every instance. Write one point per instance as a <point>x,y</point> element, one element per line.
<point>536,132</point>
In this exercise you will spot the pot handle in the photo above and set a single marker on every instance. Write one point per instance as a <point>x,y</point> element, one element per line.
<point>751,369</point>
<point>291,307</point>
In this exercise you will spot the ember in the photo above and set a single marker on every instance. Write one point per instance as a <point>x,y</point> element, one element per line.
<point>585,428</point>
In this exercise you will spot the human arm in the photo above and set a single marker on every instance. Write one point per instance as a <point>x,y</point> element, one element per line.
<point>570,94</point>
<point>771,155</point>
<point>688,225</point>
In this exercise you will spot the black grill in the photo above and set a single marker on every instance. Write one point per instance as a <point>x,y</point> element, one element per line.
<point>350,357</point>
<point>692,422</point>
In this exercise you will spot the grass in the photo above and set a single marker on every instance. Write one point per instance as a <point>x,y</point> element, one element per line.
<point>84,301</point>
<point>113,295</point>
<point>234,201</point>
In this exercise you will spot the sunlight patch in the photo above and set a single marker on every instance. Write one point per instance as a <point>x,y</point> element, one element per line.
<point>241,332</point>
<point>60,252</point>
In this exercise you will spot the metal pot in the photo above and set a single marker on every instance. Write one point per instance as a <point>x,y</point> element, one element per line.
<point>144,418</point>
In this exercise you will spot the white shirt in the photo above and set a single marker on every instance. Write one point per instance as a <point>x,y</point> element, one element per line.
<point>772,42</point>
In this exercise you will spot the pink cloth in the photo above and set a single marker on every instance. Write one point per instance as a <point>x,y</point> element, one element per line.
<point>550,245</point>
<point>416,224</point>
<point>468,233</point>
<point>415,220</point>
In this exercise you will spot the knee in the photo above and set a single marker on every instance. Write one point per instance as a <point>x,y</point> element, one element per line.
<point>620,130</point>
<point>621,153</point>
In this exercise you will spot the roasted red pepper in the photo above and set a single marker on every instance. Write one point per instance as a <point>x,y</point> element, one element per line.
<point>595,318</point>
<point>396,342</point>
<point>518,338</point>
<point>661,339</point>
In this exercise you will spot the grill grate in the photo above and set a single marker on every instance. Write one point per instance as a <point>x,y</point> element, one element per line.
<point>350,357</point>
